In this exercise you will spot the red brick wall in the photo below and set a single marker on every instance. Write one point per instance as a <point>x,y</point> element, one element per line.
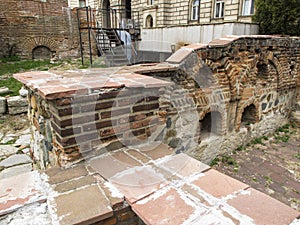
<point>87,125</point>
<point>27,24</point>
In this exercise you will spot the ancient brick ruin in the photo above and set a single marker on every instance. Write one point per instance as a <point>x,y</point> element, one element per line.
<point>205,100</point>
<point>38,29</point>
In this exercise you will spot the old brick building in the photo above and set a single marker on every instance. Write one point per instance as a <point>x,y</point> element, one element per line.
<point>44,28</point>
<point>38,29</point>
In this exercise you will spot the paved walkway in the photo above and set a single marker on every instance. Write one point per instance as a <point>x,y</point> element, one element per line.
<point>161,188</point>
<point>270,165</point>
<point>14,146</point>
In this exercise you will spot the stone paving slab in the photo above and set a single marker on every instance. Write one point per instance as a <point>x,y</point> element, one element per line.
<point>74,184</point>
<point>15,170</point>
<point>138,182</point>
<point>113,163</point>
<point>218,184</point>
<point>183,165</point>
<point>53,86</point>
<point>14,160</point>
<point>263,209</point>
<point>21,190</point>
<point>196,194</point>
<point>58,175</point>
<point>85,205</point>
<point>165,207</point>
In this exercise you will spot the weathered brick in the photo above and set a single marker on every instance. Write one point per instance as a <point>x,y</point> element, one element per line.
<point>99,125</point>
<point>66,132</point>
<point>117,112</point>
<point>148,107</point>
<point>97,106</point>
<point>76,120</point>
<point>77,140</point>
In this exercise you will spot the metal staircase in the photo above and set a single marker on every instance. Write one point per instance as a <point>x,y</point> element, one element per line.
<point>110,47</point>
<point>106,38</point>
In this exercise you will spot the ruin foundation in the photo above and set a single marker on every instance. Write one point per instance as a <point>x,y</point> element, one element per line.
<point>205,100</point>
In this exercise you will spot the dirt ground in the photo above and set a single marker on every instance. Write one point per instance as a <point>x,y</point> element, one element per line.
<point>13,124</point>
<point>270,164</point>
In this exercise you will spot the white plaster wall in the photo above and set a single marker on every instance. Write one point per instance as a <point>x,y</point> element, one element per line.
<point>160,39</point>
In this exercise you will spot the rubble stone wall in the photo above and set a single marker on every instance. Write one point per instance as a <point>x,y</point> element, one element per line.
<point>26,26</point>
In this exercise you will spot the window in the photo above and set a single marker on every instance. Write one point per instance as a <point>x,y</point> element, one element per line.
<point>248,7</point>
<point>82,3</point>
<point>149,21</point>
<point>219,9</point>
<point>195,9</point>
<point>150,2</point>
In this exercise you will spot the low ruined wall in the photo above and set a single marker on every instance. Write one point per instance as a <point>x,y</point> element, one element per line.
<point>207,100</point>
<point>242,88</point>
<point>74,118</point>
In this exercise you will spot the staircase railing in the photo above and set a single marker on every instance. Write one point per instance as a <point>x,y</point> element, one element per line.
<point>105,37</point>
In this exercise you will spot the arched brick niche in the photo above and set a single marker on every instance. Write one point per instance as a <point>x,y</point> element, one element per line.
<point>39,46</point>
<point>212,123</point>
<point>247,114</point>
<point>41,52</point>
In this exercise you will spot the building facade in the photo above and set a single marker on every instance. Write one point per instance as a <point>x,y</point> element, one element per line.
<point>168,25</point>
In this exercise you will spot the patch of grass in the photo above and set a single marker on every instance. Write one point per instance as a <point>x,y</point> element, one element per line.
<point>268,181</point>
<point>241,148</point>
<point>10,59</point>
<point>282,134</point>
<point>283,129</point>
<point>11,65</point>
<point>83,67</point>
<point>11,142</point>
<point>258,141</point>
<point>265,138</point>
<point>254,179</point>
<point>215,162</point>
<point>229,160</point>
<point>13,85</point>
<point>14,65</point>
<point>297,155</point>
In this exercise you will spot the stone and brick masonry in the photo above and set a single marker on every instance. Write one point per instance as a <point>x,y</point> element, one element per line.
<point>205,100</point>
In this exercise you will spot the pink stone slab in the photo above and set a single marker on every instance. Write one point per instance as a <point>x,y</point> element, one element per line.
<point>156,150</point>
<point>197,46</point>
<point>138,182</point>
<point>33,76</point>
<point>263,209</point>
<point>180,55</point>
<point>218,184</point>
<point>169,208</point>
<point>82,206</point>
<point>109,165</point>
<point>20,190</point>
<point>56,92</point>
<point>183,165</point>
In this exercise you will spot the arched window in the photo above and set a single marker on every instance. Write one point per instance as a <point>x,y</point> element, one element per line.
<point>195,10</point>
<point>149,21</point>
